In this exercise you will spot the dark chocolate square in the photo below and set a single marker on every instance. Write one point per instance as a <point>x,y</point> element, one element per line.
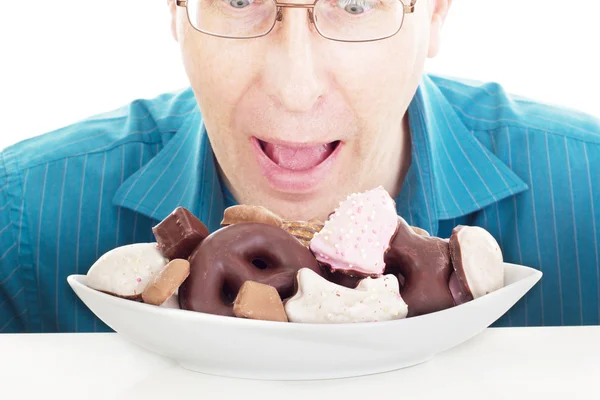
<point>179,234</point>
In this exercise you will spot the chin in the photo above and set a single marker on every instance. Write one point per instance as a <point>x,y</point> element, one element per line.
<point>315,205</point>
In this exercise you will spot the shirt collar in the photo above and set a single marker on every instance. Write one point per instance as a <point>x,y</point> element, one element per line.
<point>183,173</point>
<point>451,175</point>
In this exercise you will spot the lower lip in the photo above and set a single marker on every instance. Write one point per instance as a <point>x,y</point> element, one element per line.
<point>290,181</point>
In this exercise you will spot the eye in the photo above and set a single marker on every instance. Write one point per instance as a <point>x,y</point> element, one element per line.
<point>239,3</point>
<point>354,9</point>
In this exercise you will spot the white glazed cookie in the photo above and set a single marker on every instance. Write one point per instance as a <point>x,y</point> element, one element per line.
<point>125,271</point>
<point>477,260</point>
<point>320,301</point>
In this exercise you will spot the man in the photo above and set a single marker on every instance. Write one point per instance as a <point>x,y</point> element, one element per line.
<point>294,109</point>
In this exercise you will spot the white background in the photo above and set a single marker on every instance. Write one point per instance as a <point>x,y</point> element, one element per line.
<point>62,60</point>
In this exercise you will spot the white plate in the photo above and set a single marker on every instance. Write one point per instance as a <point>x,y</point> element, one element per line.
<point>243,348</point>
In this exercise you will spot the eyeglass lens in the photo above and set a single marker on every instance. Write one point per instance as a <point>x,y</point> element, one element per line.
<point>348,20</point>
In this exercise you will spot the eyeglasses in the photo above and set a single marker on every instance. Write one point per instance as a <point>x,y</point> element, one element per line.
<point>339,20</point>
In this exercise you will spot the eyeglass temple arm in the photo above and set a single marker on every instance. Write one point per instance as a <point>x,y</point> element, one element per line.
<point>407,8</point>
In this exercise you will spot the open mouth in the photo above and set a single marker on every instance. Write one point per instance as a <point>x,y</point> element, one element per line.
<point>298,158</point>
<point>295,168</point>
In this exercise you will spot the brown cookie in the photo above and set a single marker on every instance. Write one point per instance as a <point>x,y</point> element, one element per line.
<point>259,301</point>
<point>166,282</point>
<point>246,213</point>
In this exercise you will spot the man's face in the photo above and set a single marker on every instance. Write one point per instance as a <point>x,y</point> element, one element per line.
<point>297,122</point>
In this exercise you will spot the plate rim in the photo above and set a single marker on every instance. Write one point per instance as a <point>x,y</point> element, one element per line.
<point>75,281</point>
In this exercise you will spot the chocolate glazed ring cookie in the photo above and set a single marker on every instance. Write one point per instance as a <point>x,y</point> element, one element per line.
<point>227,258</point>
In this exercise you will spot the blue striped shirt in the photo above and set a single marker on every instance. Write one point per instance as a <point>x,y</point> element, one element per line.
<point>527,172</point>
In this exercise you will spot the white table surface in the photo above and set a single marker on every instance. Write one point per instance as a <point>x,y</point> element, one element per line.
<point>503,363</point>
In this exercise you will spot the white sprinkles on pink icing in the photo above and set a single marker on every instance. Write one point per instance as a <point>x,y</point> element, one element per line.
<point>346,247</point>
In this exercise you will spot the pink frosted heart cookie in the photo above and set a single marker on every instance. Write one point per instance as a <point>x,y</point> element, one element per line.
<point>357,235</point>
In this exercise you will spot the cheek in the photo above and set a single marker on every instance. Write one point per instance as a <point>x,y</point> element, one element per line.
<point>376,77</point>
<point>219,76</point>
<point>218,70</point>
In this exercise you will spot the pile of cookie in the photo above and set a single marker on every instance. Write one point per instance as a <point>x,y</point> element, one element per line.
<point>363,264</point>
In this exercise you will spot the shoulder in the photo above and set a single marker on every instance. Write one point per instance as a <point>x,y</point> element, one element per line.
<point>487,106</point>
<point>81,165</point>
<point>140,121</point>
<point>554,150</point>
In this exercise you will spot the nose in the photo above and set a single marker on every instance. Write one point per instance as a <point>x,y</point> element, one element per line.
<point>294,78</point>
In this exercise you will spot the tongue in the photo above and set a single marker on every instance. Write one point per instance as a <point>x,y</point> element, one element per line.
<point>297,158</point>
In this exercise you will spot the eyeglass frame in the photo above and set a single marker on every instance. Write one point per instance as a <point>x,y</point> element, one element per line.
<point>407,9</point>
